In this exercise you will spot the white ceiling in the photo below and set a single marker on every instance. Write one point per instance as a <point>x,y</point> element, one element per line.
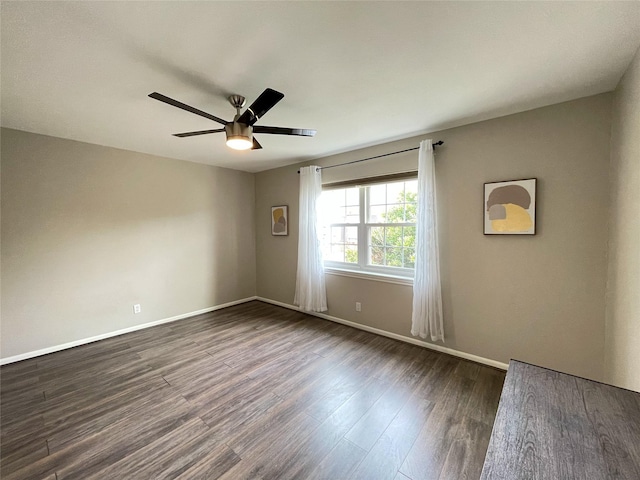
<point>361,73</point>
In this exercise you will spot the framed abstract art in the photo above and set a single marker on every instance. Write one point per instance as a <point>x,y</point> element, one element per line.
<point>510,207</point>
<point>279,220</point>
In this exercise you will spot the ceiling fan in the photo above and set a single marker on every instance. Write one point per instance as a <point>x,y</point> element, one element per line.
<point>240,131</point>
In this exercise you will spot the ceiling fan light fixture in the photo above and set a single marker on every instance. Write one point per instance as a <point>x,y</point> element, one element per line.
<point>239,136</point>
<point>239,143</point>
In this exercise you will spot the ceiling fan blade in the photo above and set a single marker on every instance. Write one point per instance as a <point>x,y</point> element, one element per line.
<point>256,144</point>
<point>303,132</point>
<point>201,132</point>
<point>262,105</point>
<point>184,106</point>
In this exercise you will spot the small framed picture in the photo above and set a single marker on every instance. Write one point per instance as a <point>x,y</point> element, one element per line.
<point>280,220</point>
<point>510,207</point>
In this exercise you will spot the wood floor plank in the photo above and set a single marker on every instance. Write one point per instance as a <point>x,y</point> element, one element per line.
<point>113,443</point>
<point>76,428</point>
<point>89,354</point>
<point>206,375</point>
<point>97,377</point>
<point>339,463</point>
<point>21,404</point>
<point>17,384</point>
<point>233,342</point>
<point>288,367</point>
<point>483,402</point>
<point>216,463</point>
<point>251,359</point>
<point>15,457</point>
<point>257,456</point>
<point>228,420</point>
<point>428,454</point>
<point>167,457</point>
<point>375,421</point>
<point>77,410</point>
<point>26,367</point>
<point>83,458</point>
<point>325,438</point>
<point>250,391</point>
<point>20,430</point>
<point>467,452</point>
<point>274,423</point>
<point>335,397</point>
<point>468,369</point>
<point>389,452</point>
<point>186,367</point>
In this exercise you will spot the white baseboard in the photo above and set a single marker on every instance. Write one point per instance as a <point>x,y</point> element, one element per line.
<point>395,336</point>
<point>76,343</point>
<point>384,333</point>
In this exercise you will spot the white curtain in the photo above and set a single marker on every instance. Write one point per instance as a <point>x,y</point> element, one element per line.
<point>427,294</point>
<point>311,293</point>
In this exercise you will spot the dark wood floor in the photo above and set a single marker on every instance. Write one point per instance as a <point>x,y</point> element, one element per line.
<point>251,391</point>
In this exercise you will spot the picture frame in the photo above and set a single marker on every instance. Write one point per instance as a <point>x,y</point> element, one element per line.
<point>509,207</point>
<point>280,220</point>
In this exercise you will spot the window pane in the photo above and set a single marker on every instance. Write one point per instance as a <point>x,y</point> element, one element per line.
<point>352,214</point>
<point>377,194</point>
<point>411,187</point>
<point>352,196</point>
<point>333,214</point>
<point>351,235</point>
<point>409,258</point>
<point>333,197</point>
<point>409,237</point>
<point>337,234</point>
<point>340,205</point>
<point>331,201</point>
<point>377,256</point>
<point>411,199</point>
<point>395,213</point>
<point>395,192</point>
<point>394,257</point>
<point>377,236</point>
<point>410,212</point>
<point>337,253</point>
<point>393,236</point>
<point>377,214</point>
<point>351,254</point>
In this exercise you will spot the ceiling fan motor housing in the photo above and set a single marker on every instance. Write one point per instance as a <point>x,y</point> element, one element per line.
<point>239,131</point>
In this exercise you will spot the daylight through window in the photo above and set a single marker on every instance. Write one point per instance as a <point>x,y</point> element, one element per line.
<point>371,228</point>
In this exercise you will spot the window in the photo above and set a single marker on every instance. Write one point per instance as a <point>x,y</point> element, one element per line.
<point>371,228</point>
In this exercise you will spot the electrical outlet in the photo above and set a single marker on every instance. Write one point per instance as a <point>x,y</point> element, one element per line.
<point>358,307</point>
<point>137,308</point>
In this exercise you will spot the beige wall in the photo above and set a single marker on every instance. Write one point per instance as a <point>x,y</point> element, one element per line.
<point>536,298</point>
<point>622,359</point>
<point>87,231</point>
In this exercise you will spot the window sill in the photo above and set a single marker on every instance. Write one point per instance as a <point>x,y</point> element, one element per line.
<point>377,277</point>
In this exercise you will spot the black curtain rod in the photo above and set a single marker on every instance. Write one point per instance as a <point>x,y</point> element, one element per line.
<point>436,144</point>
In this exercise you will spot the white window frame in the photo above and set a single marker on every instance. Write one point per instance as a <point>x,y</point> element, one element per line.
<point>363,269</point>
